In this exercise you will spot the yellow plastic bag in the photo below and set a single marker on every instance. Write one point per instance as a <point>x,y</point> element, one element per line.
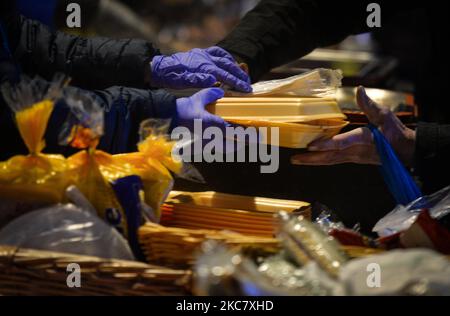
<point>93,170</point>
<point>37,177</point>
<point>153,162</point>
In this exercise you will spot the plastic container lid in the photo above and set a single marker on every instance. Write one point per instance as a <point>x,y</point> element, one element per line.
<point>279,109</point>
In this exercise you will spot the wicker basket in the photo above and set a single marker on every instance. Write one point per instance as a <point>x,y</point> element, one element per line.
<point>35,272</point>
<point>190,218</point>
<point>178,247</point>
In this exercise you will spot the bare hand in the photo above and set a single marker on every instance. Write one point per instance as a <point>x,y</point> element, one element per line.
<point>357,146</point>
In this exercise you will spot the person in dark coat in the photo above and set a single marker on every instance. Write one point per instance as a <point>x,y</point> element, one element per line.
<point>123,75</point>
<point>278,31</point>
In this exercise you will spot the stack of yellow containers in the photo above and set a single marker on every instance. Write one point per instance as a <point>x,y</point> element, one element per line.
<point>190,218</point>
<point>302,107</point>
<point>242,214</point>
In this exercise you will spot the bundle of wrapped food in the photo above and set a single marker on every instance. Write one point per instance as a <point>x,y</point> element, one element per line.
<point>302,107</point>
<point>124,190</point>
<point>36,179</point>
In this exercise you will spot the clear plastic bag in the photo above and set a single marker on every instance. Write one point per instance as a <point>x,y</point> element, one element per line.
<point>66,228</point>
<point>402,217</point>
<point>93,170</point>
<point>306,242</point>
<point>402,272</point>
<point>153,162</point>
<point>326,221</point>
<point>156,161</point>
<point>37,177</point>
<point>222,271</point>
<point>110,182</point>
<point>111,186</point>
<point>319,82</point>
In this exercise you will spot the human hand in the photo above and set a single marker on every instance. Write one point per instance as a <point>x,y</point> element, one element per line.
<point>357,146</point>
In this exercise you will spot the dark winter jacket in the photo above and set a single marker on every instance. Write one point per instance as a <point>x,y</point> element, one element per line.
<point>278,31</point>
<point>112,71</point>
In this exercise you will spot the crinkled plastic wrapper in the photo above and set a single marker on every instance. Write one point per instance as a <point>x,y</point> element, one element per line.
<point>153,162</point>
<point>66,228</point>
<point>306,242</point>
<point>107,185</point>
<point>94,171</point>
<point>37,177</point>
<point>223,271</point>
<point>319,82</point>
<point>402,217</point>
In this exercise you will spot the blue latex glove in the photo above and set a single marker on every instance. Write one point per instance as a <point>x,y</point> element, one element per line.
<point>193,107</point>
<point>198,68</point>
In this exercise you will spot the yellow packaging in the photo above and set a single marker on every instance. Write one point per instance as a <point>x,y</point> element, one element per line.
<point>277,109</point>
<point>302,107</point>
<point>95,170</point>
<point>36,177</point>
<point>295,135</point>
<point>246,215</point>
<point>92,171</point>
<point>152,164</point>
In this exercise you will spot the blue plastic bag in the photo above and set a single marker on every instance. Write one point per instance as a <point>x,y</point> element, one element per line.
<point>397,178</point>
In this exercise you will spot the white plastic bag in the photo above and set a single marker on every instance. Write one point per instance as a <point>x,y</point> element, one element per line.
<point>402,217</point>
<point>400,272</point>
<point>66,228</point>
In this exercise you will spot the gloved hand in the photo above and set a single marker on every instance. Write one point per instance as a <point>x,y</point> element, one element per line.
<point>357,146</point>
<point>193,107</point>
<point>198,68</point>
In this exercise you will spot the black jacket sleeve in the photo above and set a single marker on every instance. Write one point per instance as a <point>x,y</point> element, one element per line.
<point>278,31</point>
<point>433,155</point>
<point>124,110</point>
<point>94,63</point>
